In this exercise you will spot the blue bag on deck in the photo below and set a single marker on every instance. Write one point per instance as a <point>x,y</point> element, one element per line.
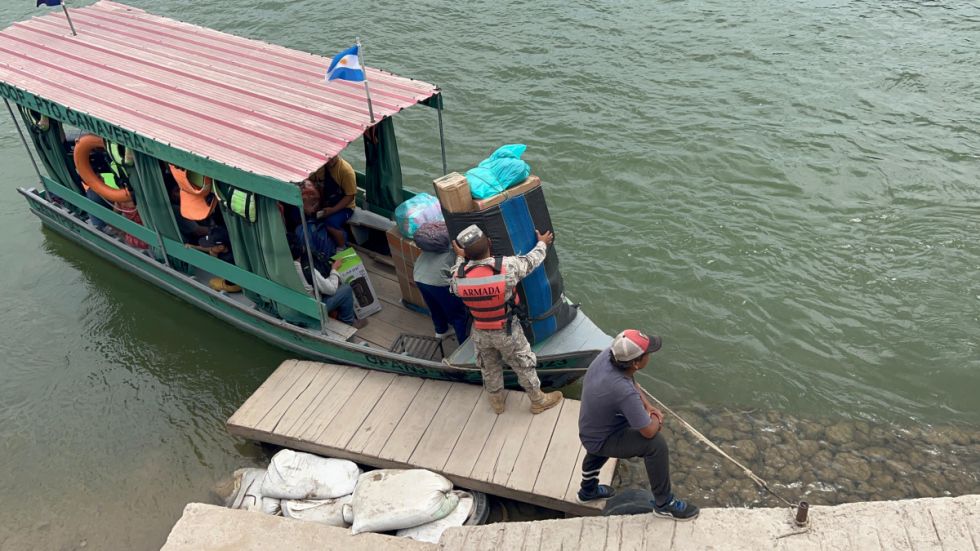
<point>501,170</point>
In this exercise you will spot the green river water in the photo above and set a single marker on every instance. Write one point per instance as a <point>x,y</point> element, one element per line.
<point>786,191</point>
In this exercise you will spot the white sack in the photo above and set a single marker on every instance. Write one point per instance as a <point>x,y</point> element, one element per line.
<point>248,493</point>
<point>392,499</point>
<point>432,531</point>
<point>322,511</point>
<point>296,475</point>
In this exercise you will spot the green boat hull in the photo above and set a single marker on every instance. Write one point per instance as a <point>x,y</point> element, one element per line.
<point>555,371</point>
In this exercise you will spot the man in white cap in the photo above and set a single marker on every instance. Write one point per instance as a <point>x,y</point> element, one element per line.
<point>486,285</point>
<point>616,420</point>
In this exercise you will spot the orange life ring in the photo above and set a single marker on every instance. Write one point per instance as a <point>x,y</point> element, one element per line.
<point>83,148</point>
<point>194,203</point>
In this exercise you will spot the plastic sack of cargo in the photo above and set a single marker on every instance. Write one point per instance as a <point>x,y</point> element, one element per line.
<point>416,211</point>
<point>432,531</point>
<point>248,493</point>
<point>392,499</point>
<point>499,171</point>
<point>322,511</point>
<point>297,475</point>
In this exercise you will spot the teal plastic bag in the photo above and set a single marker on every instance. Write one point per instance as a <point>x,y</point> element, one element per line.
<point>417,211</point>
<point>501,170</point>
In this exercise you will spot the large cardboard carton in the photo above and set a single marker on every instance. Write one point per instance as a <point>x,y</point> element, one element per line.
<point>403,254</point>
<point>453,192</point>
<point>520,189</point>
<point>353,272</point>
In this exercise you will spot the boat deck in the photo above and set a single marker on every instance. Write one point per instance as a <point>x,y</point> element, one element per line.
<point>395,421</point>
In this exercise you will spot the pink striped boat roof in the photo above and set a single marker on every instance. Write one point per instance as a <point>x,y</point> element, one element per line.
<point>250,105</point>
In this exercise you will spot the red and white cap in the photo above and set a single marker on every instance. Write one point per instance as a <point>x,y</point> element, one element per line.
<point>631,344</point>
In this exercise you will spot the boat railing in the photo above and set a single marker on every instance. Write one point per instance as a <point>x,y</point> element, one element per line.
<point>296,300</point>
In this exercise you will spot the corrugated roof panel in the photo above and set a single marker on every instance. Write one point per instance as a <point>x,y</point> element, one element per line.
<point>247,104</point>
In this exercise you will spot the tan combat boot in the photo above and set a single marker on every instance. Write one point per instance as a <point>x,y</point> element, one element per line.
<point>541,401</point>
<point>497,401</point>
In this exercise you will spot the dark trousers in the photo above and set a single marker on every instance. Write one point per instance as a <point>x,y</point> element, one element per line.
<point>446,308</point>
<point>625,444</point>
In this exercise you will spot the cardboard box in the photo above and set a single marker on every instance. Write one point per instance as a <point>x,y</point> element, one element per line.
<point>353,272</point>
<point>453,192</point>
<point>403,254</point>
<point>520,189</point>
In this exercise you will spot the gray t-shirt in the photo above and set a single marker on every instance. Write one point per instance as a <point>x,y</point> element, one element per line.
<point>433,268</point>
<point>610,403</point>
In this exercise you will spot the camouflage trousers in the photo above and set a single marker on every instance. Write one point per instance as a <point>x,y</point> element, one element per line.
<point>494,349</point>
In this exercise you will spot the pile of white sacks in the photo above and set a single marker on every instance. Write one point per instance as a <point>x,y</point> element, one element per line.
<point>417,503</point>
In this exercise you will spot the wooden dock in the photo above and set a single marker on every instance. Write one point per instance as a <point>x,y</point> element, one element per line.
<point>396,421</point>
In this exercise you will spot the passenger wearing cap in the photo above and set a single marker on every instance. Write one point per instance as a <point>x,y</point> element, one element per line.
<point>486,285</point>
<point>616,420</point>
<point>217,244</point>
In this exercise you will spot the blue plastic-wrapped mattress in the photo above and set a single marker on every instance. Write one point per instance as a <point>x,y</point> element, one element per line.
<point>510,226</point>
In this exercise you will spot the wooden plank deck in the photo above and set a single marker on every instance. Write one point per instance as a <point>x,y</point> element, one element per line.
<point>395,421</point>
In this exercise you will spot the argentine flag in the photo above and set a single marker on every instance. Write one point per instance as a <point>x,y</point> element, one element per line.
<point>346,66</point>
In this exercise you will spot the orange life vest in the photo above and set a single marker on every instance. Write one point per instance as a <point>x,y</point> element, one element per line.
<point>483,289</point>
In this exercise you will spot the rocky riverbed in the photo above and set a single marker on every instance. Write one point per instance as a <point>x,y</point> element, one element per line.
<point>824,461</point>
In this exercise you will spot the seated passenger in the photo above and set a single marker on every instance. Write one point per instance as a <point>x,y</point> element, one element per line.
<point>432,272</point>
<point>338,187</point>
<point>190,231</point>
<point>336,296</point>
<point>217,244</point>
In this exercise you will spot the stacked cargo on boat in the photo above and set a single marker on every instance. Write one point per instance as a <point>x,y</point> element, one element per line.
<point>510,219</point>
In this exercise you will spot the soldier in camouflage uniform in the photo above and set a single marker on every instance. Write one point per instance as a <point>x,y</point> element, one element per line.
<point>485,283</point>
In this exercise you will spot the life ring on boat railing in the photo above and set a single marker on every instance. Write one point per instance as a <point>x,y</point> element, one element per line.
<point>38,121</point>
<point>194,191</point>
<point>83,148</point>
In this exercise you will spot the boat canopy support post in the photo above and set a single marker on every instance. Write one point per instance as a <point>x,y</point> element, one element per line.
<point>367,90</point>
<point>23,140</point>
<point>309,258</point>
<point>442,140</point>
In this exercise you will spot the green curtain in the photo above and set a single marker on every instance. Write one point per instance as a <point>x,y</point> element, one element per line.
<point>261,248</point>
<point>383,169</point>
<point>50,147</point>
<point>153,203</point>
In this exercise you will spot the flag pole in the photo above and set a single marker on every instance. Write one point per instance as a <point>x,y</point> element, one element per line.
<point>367,90</point>
<point>68,17</point>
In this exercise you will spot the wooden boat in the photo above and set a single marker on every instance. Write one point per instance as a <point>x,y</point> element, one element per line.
<point>253,117</point>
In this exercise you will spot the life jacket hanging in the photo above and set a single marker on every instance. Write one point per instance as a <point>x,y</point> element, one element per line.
<point>240,202</point>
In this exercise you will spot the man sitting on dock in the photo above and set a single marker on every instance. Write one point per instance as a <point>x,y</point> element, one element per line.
<point>616,420</point>
<point>486,284</point>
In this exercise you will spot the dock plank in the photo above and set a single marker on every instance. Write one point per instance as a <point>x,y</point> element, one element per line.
<point>300,383</point>
<point>561,454</point>
<point>474,436</point>
<point>416,420</point>
<point>527,462</point>
<point>374,432</point>
<point>345,424</point>
<point>308,399</point>
<point>331,404</point>
<point>440,437</point>
<point>396,421</point>
<point>510,428</point>
<point>264,397</point>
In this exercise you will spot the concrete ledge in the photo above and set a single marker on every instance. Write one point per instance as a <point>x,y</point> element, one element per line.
<point>211,528</point>
<point>951,524</point>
